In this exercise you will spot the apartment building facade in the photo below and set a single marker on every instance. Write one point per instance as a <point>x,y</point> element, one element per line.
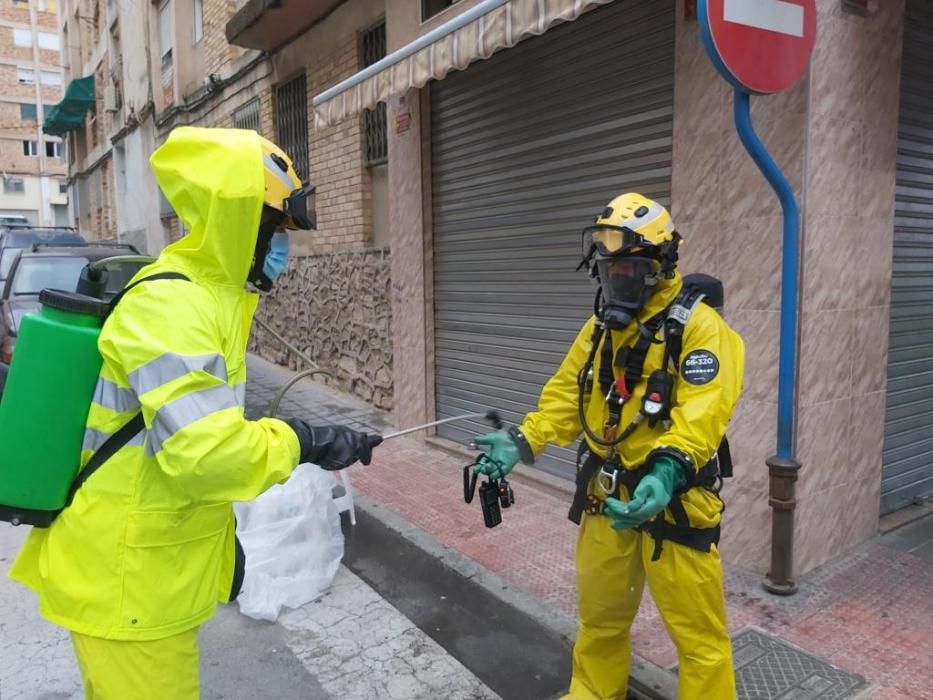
<point>31,163</point>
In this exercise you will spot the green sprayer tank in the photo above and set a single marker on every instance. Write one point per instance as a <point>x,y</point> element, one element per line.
<point>45,405</point>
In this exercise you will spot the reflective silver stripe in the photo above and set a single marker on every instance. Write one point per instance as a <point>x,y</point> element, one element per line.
<point>636,222</point>
<point>169,367</point>
<point>240,392</point>
<point>182,412</point>
<point>95,439</point>
<point>109,395</point>
<point>272,166</point>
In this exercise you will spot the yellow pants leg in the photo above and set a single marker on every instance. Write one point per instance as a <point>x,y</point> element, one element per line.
<point>610,580</point>
<point>155,670</point>
<point>687,587</point>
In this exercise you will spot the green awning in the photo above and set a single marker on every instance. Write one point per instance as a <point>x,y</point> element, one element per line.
<point>68,114</point>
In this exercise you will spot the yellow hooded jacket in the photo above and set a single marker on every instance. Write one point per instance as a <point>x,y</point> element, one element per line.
<point>146,550</point>
<point>700,414</point>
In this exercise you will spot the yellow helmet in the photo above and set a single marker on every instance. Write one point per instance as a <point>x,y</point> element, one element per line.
<point>629,223</point>
<point>284,190</point>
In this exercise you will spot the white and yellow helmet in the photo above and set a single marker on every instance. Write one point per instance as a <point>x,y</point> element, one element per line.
<point>284,190</point>
<point>632,224</point>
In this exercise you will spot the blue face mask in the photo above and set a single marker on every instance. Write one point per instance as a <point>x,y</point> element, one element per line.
<point>277,258</point>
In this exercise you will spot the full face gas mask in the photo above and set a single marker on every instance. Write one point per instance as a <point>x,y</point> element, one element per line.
<point>628,268</point>
<point>271,254</point>
<point>626,283</point>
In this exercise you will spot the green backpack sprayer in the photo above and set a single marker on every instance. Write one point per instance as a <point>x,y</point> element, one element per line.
<point>47,398</point>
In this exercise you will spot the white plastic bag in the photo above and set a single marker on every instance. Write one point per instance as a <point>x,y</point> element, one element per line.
<point>293,543</point>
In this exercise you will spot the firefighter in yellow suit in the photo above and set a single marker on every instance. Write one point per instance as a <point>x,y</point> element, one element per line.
<point>647,491</point>
<point>147,549</point>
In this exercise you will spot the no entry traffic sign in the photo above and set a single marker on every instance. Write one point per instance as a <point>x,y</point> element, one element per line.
<point>760,46</point>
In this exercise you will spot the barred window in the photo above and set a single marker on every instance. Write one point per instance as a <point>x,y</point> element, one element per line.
<point>374,120</point>
<point>247,116</point>
<point>291,122</point>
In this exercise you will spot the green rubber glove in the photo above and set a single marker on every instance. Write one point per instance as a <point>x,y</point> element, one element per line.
<point>651,496</point>
<point>502,456</point>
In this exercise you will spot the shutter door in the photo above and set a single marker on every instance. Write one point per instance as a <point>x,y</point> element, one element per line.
<point>908,444</point>
<point>527,147</point>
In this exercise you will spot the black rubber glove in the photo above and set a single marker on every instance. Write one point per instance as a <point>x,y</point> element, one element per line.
<point>333,447</point>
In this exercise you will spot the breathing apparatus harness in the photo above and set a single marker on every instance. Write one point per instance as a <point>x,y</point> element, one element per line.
<point>656,404</point>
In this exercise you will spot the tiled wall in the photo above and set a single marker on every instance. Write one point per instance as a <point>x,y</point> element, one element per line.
<point>847,269</point>
<point>834,136</point>
<point>732,225</point>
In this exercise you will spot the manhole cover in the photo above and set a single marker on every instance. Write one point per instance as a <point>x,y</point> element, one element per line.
<point>767,668</point>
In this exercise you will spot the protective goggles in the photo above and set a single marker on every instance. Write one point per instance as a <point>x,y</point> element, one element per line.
<point>300,208</point>
<point>607,240</point>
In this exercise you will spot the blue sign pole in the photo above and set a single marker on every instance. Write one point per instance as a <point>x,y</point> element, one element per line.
<point>790,265</point>
<point>783,466</point>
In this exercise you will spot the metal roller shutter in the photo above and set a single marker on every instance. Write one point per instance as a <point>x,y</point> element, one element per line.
<point>908,444</point>
<point>526,148</point>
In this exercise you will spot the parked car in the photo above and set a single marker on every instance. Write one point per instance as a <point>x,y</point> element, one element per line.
<point>15,238</point>
<point>53,267</point>
<point>14,220</point>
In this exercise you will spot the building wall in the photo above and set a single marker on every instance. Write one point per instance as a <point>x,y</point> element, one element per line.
<point>40,172</point>
<point>334,307</point>
<point>837,150</point>
<point>848,245</point>
<point>328,53</point>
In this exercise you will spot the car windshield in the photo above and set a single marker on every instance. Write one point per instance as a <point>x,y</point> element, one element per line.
<point>35,274</point>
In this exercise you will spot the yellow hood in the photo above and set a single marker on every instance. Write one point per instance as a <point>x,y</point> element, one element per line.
<point>214,180</point>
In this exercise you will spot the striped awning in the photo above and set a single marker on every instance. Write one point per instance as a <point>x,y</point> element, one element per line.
<point>500,28</point>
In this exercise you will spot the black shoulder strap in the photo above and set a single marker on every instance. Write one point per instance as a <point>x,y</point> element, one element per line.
<point>158,276</point>
<point>119,439</point>
<point>678,314</point>
<point>113,444</point>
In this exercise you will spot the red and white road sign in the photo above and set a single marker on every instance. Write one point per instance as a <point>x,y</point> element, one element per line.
<point>760,46</point>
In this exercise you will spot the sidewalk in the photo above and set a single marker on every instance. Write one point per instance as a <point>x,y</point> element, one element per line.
<point>868,613</point>
<point>349,643</point>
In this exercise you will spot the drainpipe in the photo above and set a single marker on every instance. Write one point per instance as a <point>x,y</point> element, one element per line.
<point>783,466</point>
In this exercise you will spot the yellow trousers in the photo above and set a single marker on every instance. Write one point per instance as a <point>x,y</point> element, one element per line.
<point>686,586</point>
<point>162,669</point>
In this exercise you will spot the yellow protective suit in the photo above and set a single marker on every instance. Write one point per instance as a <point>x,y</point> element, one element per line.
<point>156,670</point>
<point>612,565</point>
<point>146,550</point>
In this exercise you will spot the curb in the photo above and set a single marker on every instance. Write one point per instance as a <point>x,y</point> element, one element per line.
<point>646,680</point>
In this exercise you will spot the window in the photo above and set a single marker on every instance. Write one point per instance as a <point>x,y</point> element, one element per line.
<point>247,116</point>
<point>49,41</point>
<point>14,185</point>
<point>53,149</point>
<point>429,8</point>
<point>374,120</point>
<point>22,37</point>
<point>30,148</point>
<point>165,32</point>
<point>27,112</point>
<point>62,187</point>
<point>48,77</point>
<point>25,76</point>
<point>198,20</point>
<point>291,122</point>
<point>21,3</point>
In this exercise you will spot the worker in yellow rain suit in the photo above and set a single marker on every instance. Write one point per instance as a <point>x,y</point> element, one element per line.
<point>652,381</point>
<point>147,548</point>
